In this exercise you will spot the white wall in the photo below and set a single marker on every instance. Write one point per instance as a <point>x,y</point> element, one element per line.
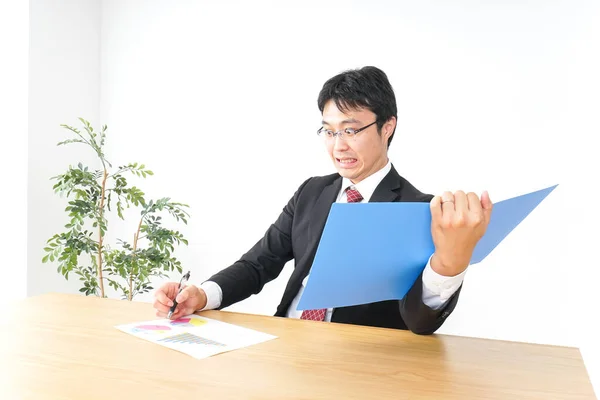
<point>14,35</point>
<point>64,84</point>
<point>219,99</point>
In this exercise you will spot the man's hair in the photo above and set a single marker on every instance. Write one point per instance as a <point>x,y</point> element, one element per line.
<point>367,87</point>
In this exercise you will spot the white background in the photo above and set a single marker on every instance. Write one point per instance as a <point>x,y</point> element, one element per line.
<point>64,83</point>
<point>219,100</point>
<point>14,38</point>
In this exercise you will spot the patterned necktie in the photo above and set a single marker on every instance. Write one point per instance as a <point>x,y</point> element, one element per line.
<point>353,196</point>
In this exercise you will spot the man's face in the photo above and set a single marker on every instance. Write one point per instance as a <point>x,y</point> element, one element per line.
<point>359,157</point>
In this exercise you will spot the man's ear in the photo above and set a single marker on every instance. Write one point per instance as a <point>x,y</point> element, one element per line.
<point>388,128</point>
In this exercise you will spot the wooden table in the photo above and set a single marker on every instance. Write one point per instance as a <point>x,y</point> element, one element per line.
<point>60,346</point>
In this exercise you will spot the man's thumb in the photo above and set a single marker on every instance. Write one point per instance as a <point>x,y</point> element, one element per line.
<point>486,204</point>
<point>184,295</point>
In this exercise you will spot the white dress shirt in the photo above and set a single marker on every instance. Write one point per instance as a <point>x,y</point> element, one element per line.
<point>437,289</point>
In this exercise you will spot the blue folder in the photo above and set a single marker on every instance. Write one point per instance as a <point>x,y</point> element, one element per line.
<point>373,252</point>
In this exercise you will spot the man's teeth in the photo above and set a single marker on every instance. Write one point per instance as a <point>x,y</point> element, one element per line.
<point>348,160</point>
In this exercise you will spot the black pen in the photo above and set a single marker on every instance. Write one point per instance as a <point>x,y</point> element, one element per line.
<point>183,280</point>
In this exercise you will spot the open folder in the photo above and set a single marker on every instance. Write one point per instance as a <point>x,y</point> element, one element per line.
<point>373,252</point>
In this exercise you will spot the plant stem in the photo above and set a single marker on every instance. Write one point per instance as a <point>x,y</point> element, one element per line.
<point>100,240</point>
<point>135,241</point>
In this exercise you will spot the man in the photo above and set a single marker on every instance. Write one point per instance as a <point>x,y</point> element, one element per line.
<point>359,122</point>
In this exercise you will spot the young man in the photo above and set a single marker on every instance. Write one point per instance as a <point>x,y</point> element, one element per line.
<point>359,121</point>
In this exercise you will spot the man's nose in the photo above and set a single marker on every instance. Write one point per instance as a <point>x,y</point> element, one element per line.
<point>339,144</point>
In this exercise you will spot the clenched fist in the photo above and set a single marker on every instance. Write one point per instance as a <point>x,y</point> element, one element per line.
<point>458,222</point>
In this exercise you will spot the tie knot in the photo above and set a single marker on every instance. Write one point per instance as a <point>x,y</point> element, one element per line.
<point>353,195</point>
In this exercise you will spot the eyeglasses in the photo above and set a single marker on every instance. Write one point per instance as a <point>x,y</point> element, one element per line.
<point>344,134</point>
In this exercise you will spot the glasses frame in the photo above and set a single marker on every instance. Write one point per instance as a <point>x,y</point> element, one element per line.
<point>345,130</point>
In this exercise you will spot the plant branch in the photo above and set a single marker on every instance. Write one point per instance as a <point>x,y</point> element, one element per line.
<point>120,171</point>
<point>78,134</point>
<point>105,172</point>
<point>135,242</point>
<point>100,235</point>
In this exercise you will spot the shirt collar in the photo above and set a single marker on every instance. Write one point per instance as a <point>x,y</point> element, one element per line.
<point>367,186</point>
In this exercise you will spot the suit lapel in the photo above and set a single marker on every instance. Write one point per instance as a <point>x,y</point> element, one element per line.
<point>388,189</point>
<point>320,211</point>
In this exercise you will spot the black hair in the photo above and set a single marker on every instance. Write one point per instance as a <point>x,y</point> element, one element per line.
<point>367,87</point>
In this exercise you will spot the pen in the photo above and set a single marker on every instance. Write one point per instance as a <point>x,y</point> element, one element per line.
<point>182,282</point>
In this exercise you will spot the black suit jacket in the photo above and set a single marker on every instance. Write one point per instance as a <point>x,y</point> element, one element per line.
<point>296,235</point>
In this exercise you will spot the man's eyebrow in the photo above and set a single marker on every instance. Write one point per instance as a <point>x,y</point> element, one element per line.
<point>346,121</point>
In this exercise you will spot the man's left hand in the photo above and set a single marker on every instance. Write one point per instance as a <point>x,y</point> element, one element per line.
<point>458,221</point>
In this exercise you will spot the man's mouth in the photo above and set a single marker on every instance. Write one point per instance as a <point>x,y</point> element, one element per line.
<point>346,161</point>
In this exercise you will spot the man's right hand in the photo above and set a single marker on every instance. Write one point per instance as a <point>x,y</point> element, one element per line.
<point>189,300</point>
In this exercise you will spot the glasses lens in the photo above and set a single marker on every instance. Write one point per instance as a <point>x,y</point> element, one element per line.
<point>349,133</point>
<point>326,133</point>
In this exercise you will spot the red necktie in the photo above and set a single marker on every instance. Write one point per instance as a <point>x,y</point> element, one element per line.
<point>353,196</point>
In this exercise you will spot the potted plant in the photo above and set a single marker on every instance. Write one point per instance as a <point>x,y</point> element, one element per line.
<point>81,248</point>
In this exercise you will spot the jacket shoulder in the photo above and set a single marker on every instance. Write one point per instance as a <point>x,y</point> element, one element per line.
<point>317,183</point>
<point>409,192</point>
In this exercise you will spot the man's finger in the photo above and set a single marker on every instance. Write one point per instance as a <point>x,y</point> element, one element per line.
<point>447,206</point>
<point>436,208</point>
<point>474,203</point>
<point>161,307</point>
<point>476,212</point>
<point>161,296</point>
<point>180,312</point>
<point>184,295</point>
<point>460,202</point>
<point>487,205</point>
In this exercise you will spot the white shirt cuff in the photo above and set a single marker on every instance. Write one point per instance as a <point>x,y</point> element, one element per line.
<point>437,289</point>
<point>214,295</point>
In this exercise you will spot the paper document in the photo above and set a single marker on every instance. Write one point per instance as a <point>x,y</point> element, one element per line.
<point>196,336</point>
<point>373,252</point>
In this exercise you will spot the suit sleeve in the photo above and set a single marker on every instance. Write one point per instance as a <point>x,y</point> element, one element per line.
<point>419,317</point>
<point>263,262</point>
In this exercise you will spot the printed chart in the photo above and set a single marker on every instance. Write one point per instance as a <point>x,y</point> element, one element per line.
<point>151,329</point>
<point>187,322</point>
<point>190,338</point>
<point>196,336</point>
